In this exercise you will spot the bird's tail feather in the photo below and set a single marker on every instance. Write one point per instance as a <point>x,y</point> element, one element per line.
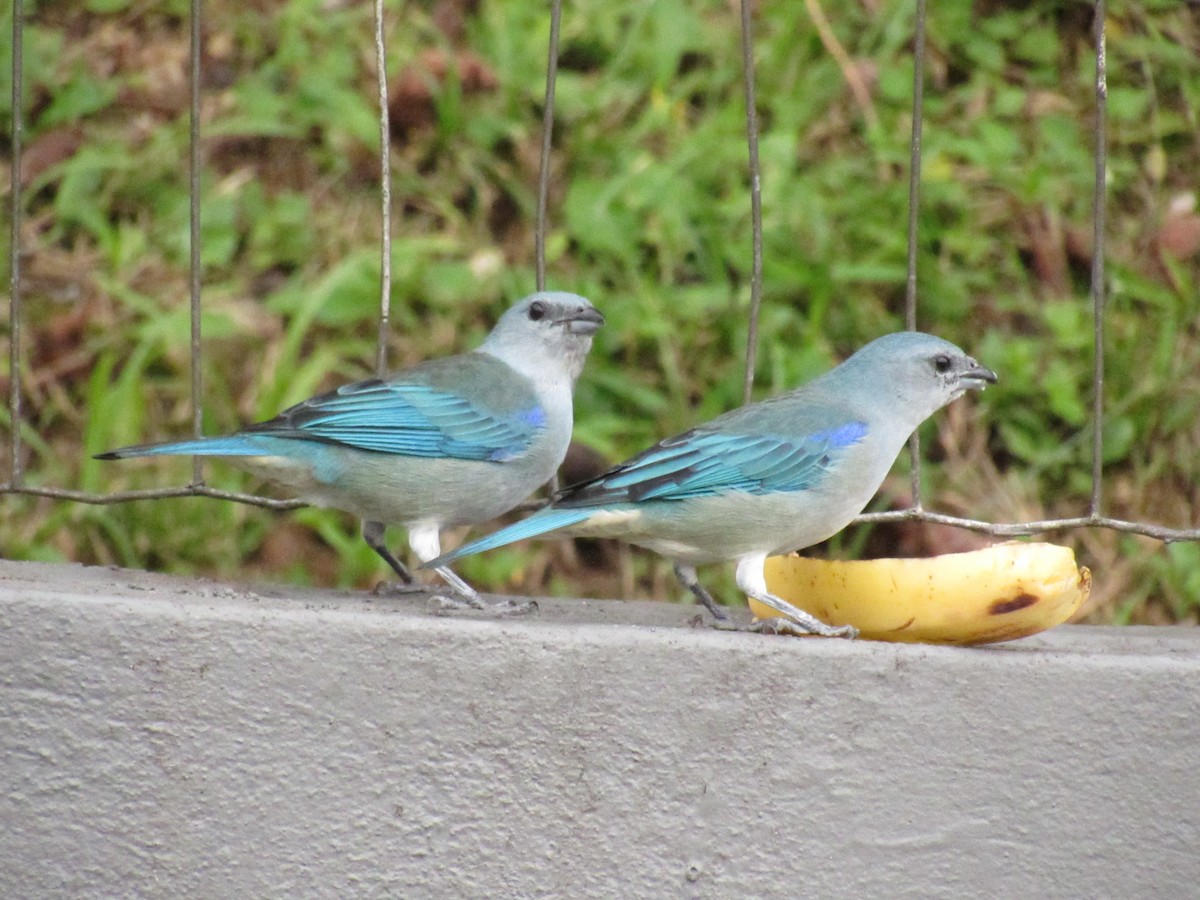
<point>538,523</point>
<point>233,445</point>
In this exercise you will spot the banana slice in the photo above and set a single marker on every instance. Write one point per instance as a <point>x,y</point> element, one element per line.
<point>997,594</point>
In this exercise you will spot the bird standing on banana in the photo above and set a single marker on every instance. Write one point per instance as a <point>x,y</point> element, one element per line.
<point>453,441</point>
<point>767,478</point>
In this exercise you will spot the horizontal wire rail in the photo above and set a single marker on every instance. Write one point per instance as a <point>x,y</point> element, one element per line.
<point>1094,518</point>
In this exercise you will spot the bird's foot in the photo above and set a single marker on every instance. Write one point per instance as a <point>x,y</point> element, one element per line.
<point>780,625</point>
<point>499,606</point>
<point>457,595</point>
<point>791,621</point>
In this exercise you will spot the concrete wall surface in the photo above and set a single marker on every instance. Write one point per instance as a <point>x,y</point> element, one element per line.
<point>163,737</point>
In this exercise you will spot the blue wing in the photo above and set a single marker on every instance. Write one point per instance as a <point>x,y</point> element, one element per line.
<point>408,419</point>
<point>704,463</point>
<point>471,407</point>
<point>697,463</point>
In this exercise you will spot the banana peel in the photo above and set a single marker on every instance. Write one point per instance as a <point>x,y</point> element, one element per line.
<point>999,593</point>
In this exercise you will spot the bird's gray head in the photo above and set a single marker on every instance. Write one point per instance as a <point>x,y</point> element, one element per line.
<point>919,371</point>
<point>549,328</point>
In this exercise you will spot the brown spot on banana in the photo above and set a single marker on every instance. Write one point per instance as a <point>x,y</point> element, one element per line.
<point>1021,601</point>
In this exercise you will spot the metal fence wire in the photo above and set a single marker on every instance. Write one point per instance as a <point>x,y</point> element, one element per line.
<point>1093,518</point>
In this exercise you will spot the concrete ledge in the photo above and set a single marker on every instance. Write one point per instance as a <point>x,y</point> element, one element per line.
<point>167,737</point>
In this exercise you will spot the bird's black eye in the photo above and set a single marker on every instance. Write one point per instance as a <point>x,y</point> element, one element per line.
<point>941,363</point>
<point>537,310</point>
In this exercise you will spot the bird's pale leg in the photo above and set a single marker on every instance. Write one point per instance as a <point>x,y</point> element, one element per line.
<point>792,620</point>
<point>372,533</point>
<point>426,543</point>
<point>687,576</point>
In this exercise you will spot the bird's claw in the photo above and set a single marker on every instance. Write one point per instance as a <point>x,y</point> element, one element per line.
<point>443,603</point>
<point>780,625</point>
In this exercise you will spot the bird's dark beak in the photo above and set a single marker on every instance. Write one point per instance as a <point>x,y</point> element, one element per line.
<point>584,321</point>
<point>977,377</point>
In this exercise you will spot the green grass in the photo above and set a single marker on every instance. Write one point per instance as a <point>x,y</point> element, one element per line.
<point>650,217</point>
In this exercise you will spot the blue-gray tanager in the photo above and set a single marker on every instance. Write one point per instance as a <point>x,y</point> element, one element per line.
<point>453,441</point>
<point>768,478</point>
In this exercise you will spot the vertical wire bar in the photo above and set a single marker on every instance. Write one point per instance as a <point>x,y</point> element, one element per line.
<point>755,203</point>
<point>914,168</point>
<point>1097,286</point>
<point>914,206</point>
<point>194,234</point>
<point>385,191</point>
<point>539,233</point>
<point>539,227</point>
<point>16,476</point>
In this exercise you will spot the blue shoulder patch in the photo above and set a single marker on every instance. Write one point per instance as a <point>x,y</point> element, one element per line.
<point>534,417</point>
<point>843,435</point>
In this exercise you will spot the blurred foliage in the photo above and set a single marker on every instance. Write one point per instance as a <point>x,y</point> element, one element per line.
<point>649,216</point>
